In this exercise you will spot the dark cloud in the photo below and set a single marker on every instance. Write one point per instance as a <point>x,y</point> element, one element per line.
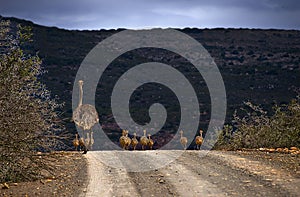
<point>97,14</point>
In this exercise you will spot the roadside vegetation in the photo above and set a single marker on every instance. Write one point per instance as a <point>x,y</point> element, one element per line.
<point>29,117</point>
<point>257,129</point>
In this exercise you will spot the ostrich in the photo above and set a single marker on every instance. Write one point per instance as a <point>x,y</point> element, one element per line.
<point>183,140</point>
<point>134,141</point>
<point>76,141</point>
<point>81,144</point>
<point>127,140</point>
<point>199,140</point>
<point>144,140</point>
<point>85,116</point>
<point>122,139</point>
<point>150,142</point>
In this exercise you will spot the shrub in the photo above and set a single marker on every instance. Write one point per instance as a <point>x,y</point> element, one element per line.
<point>256,129</point>
<point>28,114</point>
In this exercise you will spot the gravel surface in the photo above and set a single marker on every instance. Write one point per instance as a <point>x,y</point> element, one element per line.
<point>195,173</point>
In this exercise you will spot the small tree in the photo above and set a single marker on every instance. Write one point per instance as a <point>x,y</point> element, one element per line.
<point>28,114</point>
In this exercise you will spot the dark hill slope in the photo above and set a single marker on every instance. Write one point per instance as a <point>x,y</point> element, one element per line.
<point>261,66</point>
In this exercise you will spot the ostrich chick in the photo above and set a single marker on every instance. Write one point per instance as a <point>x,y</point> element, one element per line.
<point>82,145</point>
<point>127,141</point>
<point>134,141</point>
<point>150,142</point>
<point>122,139</point>
<point>76,141</point>
<point>183,140</point>
<point>144,140</point>
<point>199,140</point>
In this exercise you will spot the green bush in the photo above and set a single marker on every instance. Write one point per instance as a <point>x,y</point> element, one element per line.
<point>256,129</point>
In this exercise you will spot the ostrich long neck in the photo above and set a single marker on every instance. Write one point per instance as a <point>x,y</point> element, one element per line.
<point>80,95</point>
<point>200,133</point>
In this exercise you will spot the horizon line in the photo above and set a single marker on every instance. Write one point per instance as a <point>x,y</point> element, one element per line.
<point>148,27</point>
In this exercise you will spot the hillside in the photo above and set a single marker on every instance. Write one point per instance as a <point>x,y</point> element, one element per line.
<point>261,66</point>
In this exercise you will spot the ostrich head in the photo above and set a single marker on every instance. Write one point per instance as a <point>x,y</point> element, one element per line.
<point>80,82</point>
<point>181,132</point>
<point>201,132</point>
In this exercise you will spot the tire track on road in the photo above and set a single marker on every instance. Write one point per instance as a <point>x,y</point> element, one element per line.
<point>184,181</point>
<point>105,180</point>
<point>187,182</point>
<point>149,182</point>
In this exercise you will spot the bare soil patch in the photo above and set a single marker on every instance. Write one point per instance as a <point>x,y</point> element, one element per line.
<point>68,179</point>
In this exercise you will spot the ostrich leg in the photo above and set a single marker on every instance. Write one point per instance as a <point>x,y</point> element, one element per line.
<point>91,139</point>
<point>85,149</point>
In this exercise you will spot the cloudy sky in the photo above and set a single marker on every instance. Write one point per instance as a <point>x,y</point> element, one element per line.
<point>137,14</point>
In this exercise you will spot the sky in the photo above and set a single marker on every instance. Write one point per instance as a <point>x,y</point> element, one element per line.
<point>140,14</point>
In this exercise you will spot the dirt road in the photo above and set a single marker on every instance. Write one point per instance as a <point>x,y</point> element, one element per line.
<point>194,173</point>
